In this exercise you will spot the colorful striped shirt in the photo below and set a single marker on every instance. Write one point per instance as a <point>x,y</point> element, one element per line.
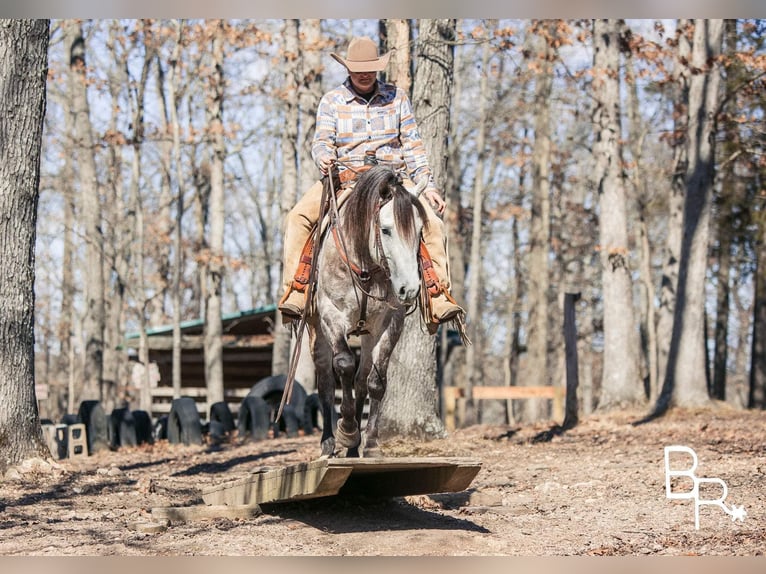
<point>347,126</point>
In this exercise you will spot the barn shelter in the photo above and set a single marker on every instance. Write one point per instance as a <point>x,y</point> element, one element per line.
<point>248,344</point>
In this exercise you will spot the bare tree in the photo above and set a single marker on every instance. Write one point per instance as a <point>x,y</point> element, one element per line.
<point>214,264</point>
<point>23,73</point>
<point>475,287</point>
<point>289,142</point>
<point>410,405</point>
<point>542,38</point>
<point>173,81</point>
<point>685,382</point>
<point>621,384</point>
<point>396,35</point>
<point>672,256</point>
<point>84,148</point>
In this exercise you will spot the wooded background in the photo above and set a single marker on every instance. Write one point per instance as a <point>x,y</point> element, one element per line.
<point>622,160</point>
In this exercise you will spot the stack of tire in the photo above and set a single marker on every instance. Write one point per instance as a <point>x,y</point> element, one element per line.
<point>129,428</point>
<point>259,408</point>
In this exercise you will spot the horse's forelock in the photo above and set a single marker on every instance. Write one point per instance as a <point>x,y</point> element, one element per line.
<point>375,184</point>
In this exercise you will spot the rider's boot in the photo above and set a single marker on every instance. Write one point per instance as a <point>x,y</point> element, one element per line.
<point>435,264</point>
<point>296,260</point>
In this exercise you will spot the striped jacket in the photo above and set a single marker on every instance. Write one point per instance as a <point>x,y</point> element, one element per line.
<point>347,126</point>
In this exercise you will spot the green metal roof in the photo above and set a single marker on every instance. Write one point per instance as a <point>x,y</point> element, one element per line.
<point>192,323</point>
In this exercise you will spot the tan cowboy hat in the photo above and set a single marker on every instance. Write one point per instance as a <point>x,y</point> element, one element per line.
<point>362,56</point>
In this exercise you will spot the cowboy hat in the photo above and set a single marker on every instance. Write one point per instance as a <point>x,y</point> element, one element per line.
<point>362,56</point>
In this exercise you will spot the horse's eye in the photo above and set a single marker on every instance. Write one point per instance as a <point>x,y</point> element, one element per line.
<point>385,231</point>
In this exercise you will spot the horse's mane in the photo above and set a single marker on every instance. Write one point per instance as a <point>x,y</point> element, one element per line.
<point>376,184</point>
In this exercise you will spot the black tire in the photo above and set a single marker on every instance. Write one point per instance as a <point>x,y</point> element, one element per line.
<point>143,425</point>
<point>310,419</point>
<point>184,425</point>
<point>291,422</point>
<point>161,428</point>
<point>128,430</point>
<point>216,432</point>
<point>115,422</point>
<point>271,389</point>
<point>254,418</point>
<point>70,419</point>
<point>221,413</point>
<point>92,415</point>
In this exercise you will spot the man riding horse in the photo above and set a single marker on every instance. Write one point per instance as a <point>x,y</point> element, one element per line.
<point>361,122</point>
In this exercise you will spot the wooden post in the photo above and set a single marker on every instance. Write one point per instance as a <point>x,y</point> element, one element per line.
<point>570,345</point>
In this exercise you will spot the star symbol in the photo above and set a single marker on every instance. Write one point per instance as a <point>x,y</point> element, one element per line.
<point>738,513</point>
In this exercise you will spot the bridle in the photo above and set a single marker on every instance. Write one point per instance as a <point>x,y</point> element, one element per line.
<point>360,277</point>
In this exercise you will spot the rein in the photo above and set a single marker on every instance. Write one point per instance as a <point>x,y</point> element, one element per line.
<point>359,277</point>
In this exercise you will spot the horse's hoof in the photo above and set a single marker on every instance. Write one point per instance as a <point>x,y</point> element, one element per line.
<point>347,440</point>
<point>328,448</point>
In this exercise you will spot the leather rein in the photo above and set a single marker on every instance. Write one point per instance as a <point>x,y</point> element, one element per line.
<point>360,277</point>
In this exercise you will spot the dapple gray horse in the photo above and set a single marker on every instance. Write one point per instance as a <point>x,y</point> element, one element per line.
<point>367,276</point>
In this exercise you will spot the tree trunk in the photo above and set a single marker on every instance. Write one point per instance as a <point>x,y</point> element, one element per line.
<point>669,281</point>
<point>174,71</point>
<point>84,149</point>
<point>729,197</point>
<point>685,380</point>
<point>757,390</point>
<point>637,135</point>
<point>214,267</point>
<point>23,75</point>
<point>452,358</point>
<point>621,384</point>
<point>280,360</point>
<point>398,36</point>
<point>475,287</point>
<point>536,367</point>
<point>310,92</point>
<point>410,404</point>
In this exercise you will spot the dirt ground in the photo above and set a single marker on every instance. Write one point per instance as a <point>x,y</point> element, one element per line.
<point>598,489</point>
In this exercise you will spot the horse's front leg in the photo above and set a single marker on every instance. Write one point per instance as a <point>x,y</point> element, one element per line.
<point>344,366</point>
<point>322,356</point>
<point>377,381</point>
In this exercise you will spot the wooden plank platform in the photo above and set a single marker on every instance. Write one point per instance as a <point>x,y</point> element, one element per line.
<point>377,477</point>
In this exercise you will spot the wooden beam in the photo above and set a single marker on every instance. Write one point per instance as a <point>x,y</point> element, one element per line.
<point>202,512</point>
<point>165,343</point>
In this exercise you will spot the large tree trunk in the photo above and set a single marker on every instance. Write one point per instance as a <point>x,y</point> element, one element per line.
<point>669,280</point>
<point>83,148</point>
<point>23,74</point>
<point>410,405</point>
<point>214,267</point>
<point>536,366</point>
<point>685,381</point>
<point>280,360</point>
<point>621,383</point>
